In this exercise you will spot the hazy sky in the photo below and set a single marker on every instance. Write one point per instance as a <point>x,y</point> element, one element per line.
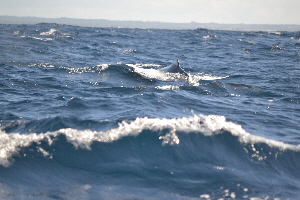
<point>203,11</point>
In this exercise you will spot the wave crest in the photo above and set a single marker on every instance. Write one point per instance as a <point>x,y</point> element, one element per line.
<point>166,129</point>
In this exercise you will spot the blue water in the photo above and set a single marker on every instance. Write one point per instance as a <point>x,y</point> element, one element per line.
<point>85,113</point>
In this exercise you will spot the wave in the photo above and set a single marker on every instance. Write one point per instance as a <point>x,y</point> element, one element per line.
<point>154,73</point>
<point>135,73</point>
<point>52,35</point>
<point>166,130</point>
<point>53,32</point>
<point>201,155</point>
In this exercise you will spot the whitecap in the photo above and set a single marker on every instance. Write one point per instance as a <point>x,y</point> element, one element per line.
<point>208,125</point>
<point>53,32</point>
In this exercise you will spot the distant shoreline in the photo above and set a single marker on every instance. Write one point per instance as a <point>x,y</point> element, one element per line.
<point>148,24</point>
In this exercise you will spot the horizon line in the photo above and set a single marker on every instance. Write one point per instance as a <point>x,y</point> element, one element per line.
<point>106,23</point>
<point>191,22</point>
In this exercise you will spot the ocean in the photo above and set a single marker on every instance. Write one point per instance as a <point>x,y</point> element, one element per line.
<point>86,113</point>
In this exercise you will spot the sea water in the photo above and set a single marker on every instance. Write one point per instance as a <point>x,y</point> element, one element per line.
<point>86,113</point>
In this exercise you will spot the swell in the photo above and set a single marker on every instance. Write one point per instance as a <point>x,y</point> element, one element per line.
<point>165,130</point>
<point>187,155</point>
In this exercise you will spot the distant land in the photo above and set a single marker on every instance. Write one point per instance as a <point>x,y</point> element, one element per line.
<point>148,24</point>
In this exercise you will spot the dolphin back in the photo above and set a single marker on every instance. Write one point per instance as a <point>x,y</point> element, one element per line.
<point>174,68</point>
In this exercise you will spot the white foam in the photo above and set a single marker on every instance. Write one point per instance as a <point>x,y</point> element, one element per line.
<point>38,38</point>
<point>153,73</point>
<point>209,125</point>
<point>195,79</point>
<point>11,143</point>
<point>102,67</point>
<point>145,65</point>
<point>52,32</point>
<point>168,87</point>
<point>96,69</point>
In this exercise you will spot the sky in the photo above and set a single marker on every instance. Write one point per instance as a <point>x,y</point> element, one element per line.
<point>202,11</point>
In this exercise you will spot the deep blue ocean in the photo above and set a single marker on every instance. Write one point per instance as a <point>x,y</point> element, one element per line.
<point>85,113</point>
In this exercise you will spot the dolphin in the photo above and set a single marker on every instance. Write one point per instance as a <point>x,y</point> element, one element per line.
<point>174,68</point>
